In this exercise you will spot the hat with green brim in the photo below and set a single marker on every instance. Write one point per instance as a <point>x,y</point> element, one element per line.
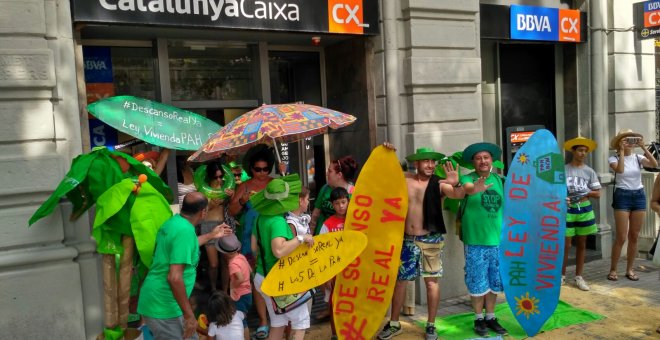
<point>424,154</point>
<point>279,197</point>
<point>580,141</point>
<point>475,148</point>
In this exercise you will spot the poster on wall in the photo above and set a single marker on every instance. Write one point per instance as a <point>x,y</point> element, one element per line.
<point>97,63</point>
<point>646,17</point>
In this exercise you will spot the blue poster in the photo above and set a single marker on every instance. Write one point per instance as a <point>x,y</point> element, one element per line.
<point>534,23</point>
<point>102,134</point>
<point>533,229</point>
<point>98,64</point>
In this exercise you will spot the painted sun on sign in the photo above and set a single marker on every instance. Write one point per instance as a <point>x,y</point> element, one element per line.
<point>527,305</point>
<point>523,158</point>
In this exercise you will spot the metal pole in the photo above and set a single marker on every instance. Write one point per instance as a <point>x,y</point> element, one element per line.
<point>392,78</point>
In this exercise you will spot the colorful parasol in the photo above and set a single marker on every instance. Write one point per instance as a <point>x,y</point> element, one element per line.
<point>284,123</point>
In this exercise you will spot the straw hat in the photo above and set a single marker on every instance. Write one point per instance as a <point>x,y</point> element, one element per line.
<point>475,148</point>
<point>589,143</point>
<point>279,197</point>
<point>424,154</point>
<point>623,133</point>
<point>228,244</point>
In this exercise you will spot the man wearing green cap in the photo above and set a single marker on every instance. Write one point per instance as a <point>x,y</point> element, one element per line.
<point>423,240</point>
<point>481,226</point>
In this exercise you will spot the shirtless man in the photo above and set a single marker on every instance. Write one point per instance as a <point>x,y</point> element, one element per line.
<point>423,240</point>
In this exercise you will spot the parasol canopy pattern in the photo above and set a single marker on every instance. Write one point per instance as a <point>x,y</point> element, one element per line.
<point>283,123</point>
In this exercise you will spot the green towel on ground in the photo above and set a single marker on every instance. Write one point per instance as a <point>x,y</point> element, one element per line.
<point>460,326</point>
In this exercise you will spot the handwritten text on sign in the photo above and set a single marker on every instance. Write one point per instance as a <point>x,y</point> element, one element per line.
<point>154,122</point>
<point>533,229</point>
<point>308,267</point>
<point>517,232</point>
<point>363,291</point>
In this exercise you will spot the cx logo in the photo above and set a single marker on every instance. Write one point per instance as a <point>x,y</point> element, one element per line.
<point>345,16</point>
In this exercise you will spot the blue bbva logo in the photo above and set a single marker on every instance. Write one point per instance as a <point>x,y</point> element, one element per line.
<point>534,23</point>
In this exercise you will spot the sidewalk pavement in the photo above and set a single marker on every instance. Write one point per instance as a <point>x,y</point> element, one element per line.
<point>632,308</point>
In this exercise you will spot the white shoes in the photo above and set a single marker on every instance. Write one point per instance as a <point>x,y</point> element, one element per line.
<point>580,283</point>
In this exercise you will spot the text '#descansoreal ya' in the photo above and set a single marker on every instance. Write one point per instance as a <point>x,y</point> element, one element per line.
<point>351,291</point>
<point>517,231</point>
<point>152,131</point>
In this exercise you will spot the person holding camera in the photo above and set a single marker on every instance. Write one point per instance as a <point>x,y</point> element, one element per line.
<point>629,200</point>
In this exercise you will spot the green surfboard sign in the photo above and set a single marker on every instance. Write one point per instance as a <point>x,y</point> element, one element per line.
<point>155,123</point>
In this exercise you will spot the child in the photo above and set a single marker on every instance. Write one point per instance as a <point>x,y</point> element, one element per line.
<point>298,220</point>
<point>240,289</point>
<point>225,322</point>
<point>339,199</point>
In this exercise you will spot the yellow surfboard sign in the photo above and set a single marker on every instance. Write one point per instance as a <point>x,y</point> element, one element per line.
<point>378,207</point>
<point>309,267</point>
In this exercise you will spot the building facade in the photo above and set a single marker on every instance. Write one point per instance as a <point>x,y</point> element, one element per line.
<point>432,73</point>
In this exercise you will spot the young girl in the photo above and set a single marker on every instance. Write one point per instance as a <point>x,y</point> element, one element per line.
<point>240,289</point>
<point>339,199</point>
<point>225,322</point>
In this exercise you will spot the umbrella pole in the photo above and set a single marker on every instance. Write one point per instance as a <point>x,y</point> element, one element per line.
<point>279,160</point>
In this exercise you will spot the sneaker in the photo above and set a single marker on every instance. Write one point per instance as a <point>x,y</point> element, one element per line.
<point>495,326</point>
<point>430,333</point>
<point>480,327</point>
<point>581,284</point>
<point>389,331</point>
<point>563,280</point>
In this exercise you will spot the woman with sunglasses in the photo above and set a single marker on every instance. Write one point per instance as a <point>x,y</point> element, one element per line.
<point>215,216</point>
<point>260,160</point>
<point>340,173</point>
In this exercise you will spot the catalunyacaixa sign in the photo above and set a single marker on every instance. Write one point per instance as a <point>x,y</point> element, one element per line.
<point>155,123</point>
<point>533,229</point>
<point>332,16</point>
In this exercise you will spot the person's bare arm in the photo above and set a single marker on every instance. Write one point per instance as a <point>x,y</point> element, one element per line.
<point>162,161</point>
<point>655,196</point>
<point>281,247</point>
<point>476,187</point>
<point>618,165</point>
<point>175,280</point>
<point>239,199</point>
<point>650,161</point>
<point>236,280</point>
<point>221,230</point>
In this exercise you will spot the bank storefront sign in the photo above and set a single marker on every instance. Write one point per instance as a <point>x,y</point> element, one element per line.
<point>546,24</point>
<point>646,16</point>
<point>332,16</point>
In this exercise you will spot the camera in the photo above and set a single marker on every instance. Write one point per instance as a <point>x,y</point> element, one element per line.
<point>632,140</point>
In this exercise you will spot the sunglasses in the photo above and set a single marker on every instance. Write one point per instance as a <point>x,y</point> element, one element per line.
<point>259,169</point>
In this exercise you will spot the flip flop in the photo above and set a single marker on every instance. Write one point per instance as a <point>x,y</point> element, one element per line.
<point>612,277</point>
<point>632,277</point>
<point>262,332</point>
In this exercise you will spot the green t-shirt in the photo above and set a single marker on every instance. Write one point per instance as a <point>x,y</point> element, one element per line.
<point>269,227</point>
<point>481,223</point>
<point>176,243</point>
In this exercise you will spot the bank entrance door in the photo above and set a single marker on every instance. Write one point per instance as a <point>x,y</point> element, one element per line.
<point>527,88</point>
<point>295,76</point>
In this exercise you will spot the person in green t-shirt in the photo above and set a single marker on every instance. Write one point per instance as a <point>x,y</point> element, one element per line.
<point>163,300</point>
<point>481,225</point>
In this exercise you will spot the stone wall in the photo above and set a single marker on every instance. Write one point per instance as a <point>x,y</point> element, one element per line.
<point>41,290</point>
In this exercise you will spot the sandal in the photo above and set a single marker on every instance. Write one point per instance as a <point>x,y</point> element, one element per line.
<point>632,277</point>
<point>612,277</point>
<point>262,332</point>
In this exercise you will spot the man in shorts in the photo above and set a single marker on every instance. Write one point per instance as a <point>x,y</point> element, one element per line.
<point>423,240</point>
<point>582,184</point>
<point>481,225</point>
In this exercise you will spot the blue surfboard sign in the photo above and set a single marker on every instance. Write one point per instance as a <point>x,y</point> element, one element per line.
<point>533,229</point>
